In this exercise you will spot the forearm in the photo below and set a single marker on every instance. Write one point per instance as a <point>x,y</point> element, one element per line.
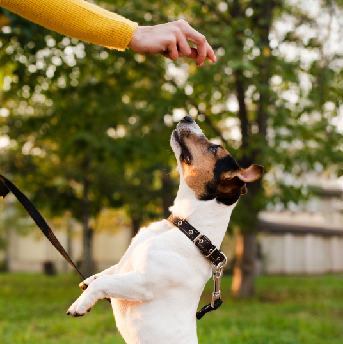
<point>130,286</point>
<point>109,271</point>
<point>78,19</point>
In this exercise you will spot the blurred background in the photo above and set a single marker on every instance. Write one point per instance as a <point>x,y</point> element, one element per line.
<point>84,132</point>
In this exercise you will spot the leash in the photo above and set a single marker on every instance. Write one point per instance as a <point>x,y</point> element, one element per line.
<point>5,187</point>
<point>210,251</point>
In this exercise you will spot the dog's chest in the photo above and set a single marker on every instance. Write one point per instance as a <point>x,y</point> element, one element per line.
<point>166,257</point>
<point>175,273</point>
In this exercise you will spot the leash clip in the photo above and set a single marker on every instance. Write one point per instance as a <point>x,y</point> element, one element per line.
<point>217,277</point>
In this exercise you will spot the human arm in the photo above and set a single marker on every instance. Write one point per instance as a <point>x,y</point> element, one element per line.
<point>82,20</point>
<point>78,19</point>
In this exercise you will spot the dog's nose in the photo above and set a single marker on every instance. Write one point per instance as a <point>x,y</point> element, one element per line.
<point>188,119</point>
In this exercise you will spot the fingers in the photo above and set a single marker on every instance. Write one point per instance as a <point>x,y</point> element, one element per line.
<point>210,54</point>
<point>204,50</point>
<point>171,52</point>
<point>177,47</point>
<point>183,46</point>
<point>194,54</point>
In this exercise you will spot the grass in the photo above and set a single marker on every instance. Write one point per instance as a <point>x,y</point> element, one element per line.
<point>285,310</point>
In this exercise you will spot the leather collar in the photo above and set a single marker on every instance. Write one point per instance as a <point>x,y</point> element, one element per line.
<point>202,242</point>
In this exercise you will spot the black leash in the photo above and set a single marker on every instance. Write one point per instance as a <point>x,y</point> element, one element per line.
<point>5,187</point>
<point>210,251</point>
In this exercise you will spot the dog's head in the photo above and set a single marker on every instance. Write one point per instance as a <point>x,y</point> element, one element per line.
<point>209,169</point>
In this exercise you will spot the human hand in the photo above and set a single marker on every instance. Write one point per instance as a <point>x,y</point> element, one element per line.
<point>170,40</point>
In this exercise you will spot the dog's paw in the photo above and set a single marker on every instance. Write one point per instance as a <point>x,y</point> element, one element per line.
<point>82,305</point>
<point>84,284</point>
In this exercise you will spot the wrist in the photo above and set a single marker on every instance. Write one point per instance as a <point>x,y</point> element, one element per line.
<point>134,38</point>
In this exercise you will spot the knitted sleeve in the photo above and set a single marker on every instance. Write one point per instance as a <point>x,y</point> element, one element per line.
<point>78,19</point>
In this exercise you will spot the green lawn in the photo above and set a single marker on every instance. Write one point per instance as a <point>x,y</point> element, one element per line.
<point>286,310</point>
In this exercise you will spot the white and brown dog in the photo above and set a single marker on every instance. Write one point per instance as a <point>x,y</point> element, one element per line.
<point>156,287</point>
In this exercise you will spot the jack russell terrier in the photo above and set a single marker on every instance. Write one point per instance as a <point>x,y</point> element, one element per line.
<point>156,287</point>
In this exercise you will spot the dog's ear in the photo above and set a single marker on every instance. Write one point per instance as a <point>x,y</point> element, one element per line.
<point>231,182</point>
<point>250,174</point>
<point>247,175</point>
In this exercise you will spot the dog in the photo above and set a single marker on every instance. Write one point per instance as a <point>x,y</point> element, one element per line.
<point>156,287</point>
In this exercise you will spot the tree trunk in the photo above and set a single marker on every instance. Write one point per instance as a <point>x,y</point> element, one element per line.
<point>244,270</point>
<point>69,241</point>
<point>135,224</point>
<point>87,232</point>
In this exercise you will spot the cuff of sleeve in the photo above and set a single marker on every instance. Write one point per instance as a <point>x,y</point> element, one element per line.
<point>122,35</point>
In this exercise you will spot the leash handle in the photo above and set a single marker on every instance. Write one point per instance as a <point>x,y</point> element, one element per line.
<point>209,308</point>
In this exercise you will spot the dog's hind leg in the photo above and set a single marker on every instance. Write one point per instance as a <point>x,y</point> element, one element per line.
<point>110,271</point>
<point>133,286</point>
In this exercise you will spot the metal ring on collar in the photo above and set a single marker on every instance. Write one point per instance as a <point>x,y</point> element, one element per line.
<point>222,264</point>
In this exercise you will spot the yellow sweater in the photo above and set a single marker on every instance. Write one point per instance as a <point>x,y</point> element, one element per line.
<point>78,19</point>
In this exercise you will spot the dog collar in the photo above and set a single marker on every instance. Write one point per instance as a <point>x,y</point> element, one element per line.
<point>201,241</point>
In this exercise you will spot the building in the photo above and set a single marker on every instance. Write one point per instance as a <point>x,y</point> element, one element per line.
<point>309,241</point>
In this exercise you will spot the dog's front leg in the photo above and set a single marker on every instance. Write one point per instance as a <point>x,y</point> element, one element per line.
<point>132,286</point>
<point>110,271</point>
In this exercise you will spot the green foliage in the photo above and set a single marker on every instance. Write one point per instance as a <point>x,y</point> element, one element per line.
<point>68,99</point>
<point>71,102</point>
<point>285,310</point>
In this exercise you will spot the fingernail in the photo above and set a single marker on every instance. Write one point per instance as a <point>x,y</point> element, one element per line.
<point>199,65</point>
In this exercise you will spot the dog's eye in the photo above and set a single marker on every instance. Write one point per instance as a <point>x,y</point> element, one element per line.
<point>214,149</point>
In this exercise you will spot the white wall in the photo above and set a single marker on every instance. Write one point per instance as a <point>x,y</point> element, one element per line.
<point>301,254</point>
<point>29,252</point>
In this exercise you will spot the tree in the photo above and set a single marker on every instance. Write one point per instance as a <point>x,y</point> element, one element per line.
<point>254,99</point>
<point>259,91</point>
<point>269,121</point>
<point>78,129</point>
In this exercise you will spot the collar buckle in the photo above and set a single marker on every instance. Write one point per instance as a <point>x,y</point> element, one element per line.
<point>200,238</point>
<point>211,251</point>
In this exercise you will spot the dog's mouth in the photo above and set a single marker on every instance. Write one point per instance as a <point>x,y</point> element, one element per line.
<point>185,153</point>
